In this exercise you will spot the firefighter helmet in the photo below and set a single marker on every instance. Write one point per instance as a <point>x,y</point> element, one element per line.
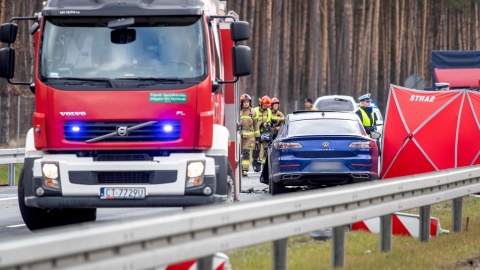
<point>265,100</point>
<point>274,100</point>
<point>246,97</point>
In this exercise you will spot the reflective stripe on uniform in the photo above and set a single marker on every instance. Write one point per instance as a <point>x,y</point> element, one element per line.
<point>365,119</point>
<point>261,116</point>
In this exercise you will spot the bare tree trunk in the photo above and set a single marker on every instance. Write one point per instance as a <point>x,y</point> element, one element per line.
<point>346,72</point>
<point>313,49</point>
<point>285,63</point>
<point>274,79</point>
<point>7,11</point>
<point>263,87</point>
<point>332,55</point>
<point>399,38</point>
<point>257,26</point>
<point>375,40</point>
<point>477,26</point>
<point>324,55</point>
<point>358,49</point>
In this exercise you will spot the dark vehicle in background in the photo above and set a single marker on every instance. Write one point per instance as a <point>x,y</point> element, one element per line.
<point>317,149</point>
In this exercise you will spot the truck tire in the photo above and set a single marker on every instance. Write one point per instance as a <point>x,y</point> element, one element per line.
<point>231,190</point>
<point>276,188</point>
<point>39,218</point>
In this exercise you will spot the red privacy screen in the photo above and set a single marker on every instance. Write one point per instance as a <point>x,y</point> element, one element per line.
<point>427,131</point>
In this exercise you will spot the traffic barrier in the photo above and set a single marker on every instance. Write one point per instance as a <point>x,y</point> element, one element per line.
<point>402,224</point>
<point>11,157</point>
<point>199,232</point>
<point>220,262</point>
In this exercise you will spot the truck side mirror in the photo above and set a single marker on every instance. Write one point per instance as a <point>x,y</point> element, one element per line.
<point>8,33</point>
<point>242,60</point>
<point>240,30</point>
<point>7,63</point>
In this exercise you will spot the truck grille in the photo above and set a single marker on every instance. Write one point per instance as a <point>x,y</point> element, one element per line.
<point>123,177</point>
<point>156,132</point>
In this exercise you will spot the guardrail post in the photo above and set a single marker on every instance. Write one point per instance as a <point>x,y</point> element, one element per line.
<point>11,174</point>
<point>425,223</point>
<point>279,253</point>
<point>457,214</point>
<point>386,233</point>
<point>338,247</point>
<point>205,263</point>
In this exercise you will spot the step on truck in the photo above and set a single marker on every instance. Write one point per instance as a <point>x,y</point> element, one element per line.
<point>135,106</point>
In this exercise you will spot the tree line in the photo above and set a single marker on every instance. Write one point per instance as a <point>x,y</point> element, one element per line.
<point>303,48</point>
<point>319,47</point>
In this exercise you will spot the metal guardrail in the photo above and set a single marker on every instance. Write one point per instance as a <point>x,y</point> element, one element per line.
<point>11,157</point>
<point>200,232</point>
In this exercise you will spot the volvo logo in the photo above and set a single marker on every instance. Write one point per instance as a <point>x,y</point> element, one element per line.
<point>73,113</point>
<point>325,144</point>
<point>122,131</point>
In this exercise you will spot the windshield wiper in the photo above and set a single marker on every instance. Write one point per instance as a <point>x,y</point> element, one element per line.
<point>86,80</point>
<point>155,80</point>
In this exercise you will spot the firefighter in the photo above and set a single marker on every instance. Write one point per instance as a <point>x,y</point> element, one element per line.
<point>366,114</point>
<point>248,118</point>
<point>264,118</point>
<point>309,105</point>
<point>277,116</point>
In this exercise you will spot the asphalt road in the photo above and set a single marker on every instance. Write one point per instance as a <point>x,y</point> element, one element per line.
<point>11,223</point>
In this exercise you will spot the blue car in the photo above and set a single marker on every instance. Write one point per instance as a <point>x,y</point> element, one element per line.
<point>317,149</point>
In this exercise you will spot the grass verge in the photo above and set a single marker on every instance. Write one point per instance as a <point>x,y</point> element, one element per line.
<point>448,251</point>
<point>4,173</point>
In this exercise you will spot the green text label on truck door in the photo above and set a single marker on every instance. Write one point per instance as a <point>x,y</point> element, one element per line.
<point>168,98</point>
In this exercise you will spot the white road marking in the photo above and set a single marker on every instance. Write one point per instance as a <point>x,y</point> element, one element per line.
<point>10,198</point>
<point>16,226</point>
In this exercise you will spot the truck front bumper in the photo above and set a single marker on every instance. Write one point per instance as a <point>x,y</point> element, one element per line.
<point>81,180</point>
<point>96,202</point>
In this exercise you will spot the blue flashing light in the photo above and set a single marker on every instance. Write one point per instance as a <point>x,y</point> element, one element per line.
<point>168,128</point>
<point>75,128</point>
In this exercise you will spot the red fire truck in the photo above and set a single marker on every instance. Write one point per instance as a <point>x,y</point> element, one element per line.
<point>136,106</point>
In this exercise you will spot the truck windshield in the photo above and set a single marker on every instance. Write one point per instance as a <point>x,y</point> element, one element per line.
<point>161,49</point>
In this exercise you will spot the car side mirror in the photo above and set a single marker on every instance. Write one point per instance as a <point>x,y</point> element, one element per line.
<point>375,135</point>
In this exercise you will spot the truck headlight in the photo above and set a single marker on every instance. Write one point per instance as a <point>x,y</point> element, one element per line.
<point>50,170</point>
<point>51,175</point>
<point>195,169</point>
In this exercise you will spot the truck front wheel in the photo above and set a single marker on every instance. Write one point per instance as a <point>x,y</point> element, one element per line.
<point>230,185</point>
<point>39,218</point>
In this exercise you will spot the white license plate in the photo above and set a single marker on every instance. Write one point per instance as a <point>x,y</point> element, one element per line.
<point>122,193</point>
<point>326,166</point>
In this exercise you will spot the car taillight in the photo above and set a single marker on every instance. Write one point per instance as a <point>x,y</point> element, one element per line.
<point>361,145</point>
<point>287,145</point>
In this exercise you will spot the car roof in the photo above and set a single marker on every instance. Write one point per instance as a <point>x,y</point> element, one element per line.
<point>336,96</point>
<point>309,115</point>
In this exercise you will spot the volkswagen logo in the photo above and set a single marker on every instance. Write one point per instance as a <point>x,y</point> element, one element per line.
<point>325,144</point>
<point>122,131</point>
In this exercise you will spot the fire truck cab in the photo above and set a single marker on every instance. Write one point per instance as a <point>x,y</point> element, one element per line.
<point>131,106</point>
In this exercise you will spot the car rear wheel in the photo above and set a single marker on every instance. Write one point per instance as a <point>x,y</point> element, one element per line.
<point>39,218</point>
<point>276,188</point>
